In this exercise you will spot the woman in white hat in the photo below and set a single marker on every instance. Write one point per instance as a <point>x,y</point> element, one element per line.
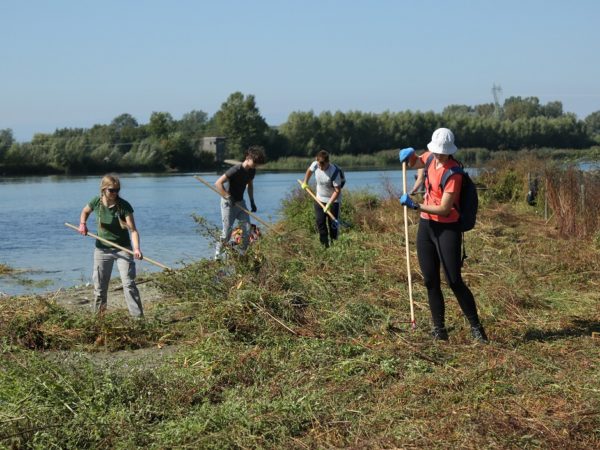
<point>439,237</point>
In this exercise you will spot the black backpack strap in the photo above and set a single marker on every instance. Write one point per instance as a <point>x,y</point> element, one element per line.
<point>335,173</point>
<point>451,171</point>
<point>426,168</point>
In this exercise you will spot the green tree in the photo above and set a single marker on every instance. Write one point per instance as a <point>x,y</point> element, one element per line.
<point>124,121</point>
<point>592,123</point>
<point>179,153</point>
<point>276,144</point>
<point>458,110</point>
<point>126,131</point>
<point>239,120</point>
<point>99,134</point>
<point>521,108</point>
<point>161,125</point>
<point>485,110</point>
<point>145,155</point>
<point>552,109</point>
<point>6,141</point>
<point>193,123</point>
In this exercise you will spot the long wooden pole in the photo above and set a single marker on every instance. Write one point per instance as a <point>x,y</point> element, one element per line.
<point>410,296</point>
<point>250,213</point>
<point>112,244</point>
<point>329,213</point>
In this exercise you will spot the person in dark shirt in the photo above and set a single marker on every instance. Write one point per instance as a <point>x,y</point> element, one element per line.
<point>232,200</point>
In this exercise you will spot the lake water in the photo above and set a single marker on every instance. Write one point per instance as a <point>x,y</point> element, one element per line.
<point>34,239</point>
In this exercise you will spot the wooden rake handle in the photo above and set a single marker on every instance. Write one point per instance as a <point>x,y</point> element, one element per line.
<point>409,276</point>
<point>329,213</point>
<point>112,244</point>
<point>250,213</point>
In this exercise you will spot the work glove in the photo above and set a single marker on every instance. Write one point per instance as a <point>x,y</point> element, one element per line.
<point>83,230</point>
<point>304,185</point>
<point>252,206</point>
<point>406,154</point>
<point>408,202</point>
<point>327,208</point>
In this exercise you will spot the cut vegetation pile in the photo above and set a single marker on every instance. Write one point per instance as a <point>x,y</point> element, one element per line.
<point>295,346</point>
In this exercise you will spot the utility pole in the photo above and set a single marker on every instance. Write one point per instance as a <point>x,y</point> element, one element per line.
<point>496,91</point>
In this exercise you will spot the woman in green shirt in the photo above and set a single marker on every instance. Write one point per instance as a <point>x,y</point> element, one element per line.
<point>114,217</point>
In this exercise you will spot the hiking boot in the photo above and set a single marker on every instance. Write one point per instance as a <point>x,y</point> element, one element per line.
<point>439,334</point>
<point>478,334</point>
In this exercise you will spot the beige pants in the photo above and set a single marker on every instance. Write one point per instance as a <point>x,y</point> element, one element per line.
<point>104,260</point>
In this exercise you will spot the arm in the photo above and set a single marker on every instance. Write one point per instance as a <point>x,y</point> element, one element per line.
<point>219,185</point>
<point>443,209</point>
<point>307,176</point>
<point>251,190</point>
<point>334,196</point>
<point>418,181</point>
<point>415,163</point>
<point>135,237</point>
<point>251,195</point>
<point>85,213</point>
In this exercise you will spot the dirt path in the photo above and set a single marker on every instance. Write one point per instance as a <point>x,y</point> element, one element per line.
<point>82,297</point>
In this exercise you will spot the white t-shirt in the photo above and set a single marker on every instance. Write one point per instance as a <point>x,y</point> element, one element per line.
<point>324,182</point>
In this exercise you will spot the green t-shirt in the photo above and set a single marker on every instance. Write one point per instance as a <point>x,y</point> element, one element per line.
<point>107,220</point>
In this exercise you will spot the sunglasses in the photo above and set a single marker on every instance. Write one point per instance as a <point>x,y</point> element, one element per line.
<point>112,191</point>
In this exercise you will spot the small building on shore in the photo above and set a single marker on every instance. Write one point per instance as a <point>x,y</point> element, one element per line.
<point>216,146</point>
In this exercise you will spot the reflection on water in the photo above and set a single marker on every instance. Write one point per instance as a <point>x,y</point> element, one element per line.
<point>48,255</point>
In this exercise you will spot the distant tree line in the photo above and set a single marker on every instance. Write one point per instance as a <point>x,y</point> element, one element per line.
<point>165,143</point>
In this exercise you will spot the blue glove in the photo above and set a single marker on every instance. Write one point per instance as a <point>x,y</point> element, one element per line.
<point>406,154</point>
<point>252,206</point>
<point>408,202</point>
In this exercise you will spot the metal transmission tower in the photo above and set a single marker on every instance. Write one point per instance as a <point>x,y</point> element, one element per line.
<point>496,91</point>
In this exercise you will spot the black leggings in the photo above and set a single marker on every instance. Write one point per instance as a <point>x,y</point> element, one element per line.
<point>440,242</point>
<point>324,222</point>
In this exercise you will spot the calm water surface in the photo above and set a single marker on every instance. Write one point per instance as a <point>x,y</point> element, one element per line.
<point>33,237</point>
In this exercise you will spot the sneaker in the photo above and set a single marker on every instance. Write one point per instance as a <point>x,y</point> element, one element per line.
<point>439,334</point>
<point>478,334</point>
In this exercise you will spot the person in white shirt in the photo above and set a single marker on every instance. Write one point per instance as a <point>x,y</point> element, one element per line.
<point>329,192</point>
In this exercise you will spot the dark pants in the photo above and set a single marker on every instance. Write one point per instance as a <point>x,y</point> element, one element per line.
<point>325,225</point>
<point>439,244</point>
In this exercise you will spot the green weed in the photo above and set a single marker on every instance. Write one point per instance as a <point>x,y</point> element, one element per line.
<point>297,346</point>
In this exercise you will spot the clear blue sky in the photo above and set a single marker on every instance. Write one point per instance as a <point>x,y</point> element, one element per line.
<point>76,63</point>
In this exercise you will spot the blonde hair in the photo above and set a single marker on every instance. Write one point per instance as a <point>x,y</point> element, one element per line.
<point>108,181</point>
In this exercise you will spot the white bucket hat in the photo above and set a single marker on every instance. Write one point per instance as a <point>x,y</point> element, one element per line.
<point>442,142</point>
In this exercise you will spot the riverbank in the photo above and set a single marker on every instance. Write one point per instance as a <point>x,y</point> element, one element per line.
<point>295,347</point>
<point>382,160</point>
<point>470,157</point>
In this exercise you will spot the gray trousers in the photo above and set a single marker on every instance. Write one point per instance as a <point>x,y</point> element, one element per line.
<point>103,264</point>
<point>229,214</point>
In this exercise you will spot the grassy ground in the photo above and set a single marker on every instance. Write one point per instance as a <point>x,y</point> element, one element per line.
<point>295,346</point>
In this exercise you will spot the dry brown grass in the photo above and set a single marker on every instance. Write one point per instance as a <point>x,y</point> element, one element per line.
<point>573,197</point>
<point>302,347</point>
